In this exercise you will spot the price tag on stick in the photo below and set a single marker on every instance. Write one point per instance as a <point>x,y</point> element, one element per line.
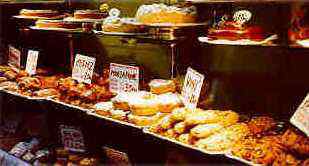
<point>83,68</point>
<point>300,119</point>
<point>14,57</point>
<point>32,61</point>
<point>123,78</point>
<point>72,138</point>
<point>192,88</point>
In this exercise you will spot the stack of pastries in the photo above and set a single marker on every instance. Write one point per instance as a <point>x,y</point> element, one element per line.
<point>142,108</point>
<point>212,130</point>
<point>39,13</point>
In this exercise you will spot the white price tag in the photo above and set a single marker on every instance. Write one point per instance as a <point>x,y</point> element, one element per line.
<point>300,119</point>
<point>192,88</point>
<point>72,138</point>
<point>32,61</point>
<point>123,78</point>
<point>14,57</point>
<point>83,68</point>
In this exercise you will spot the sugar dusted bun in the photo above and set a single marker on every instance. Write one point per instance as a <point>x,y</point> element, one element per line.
<point>89,14</point>
<point>169,101</point>
<point>146,105</point>
<point>160,86</point>
<point>161,13</point>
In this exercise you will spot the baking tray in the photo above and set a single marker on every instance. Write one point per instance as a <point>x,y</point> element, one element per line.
<point>244,42</point>
<point>146,130</point>
<point>92,113</point>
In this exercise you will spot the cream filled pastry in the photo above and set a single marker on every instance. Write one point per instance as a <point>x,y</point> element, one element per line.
<point>169,101</point>
<point>160,86</point>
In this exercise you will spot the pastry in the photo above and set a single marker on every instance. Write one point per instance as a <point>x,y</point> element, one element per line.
<point>3,79</point>
<point>104,108</point>
<point>180,128</point>
<point>121,100</point>
<point>261,124</point>
<point>295,142</point>
<point>89,14</point>
<point>39,13</point>
<point>145,105</point>
<point>9,85</point>
<point>161,13</point>
<point>119,115</point>
<point>56,24</point>
<point>179,114</point>
<point>145,120</point>
<point>184,138</point>
<point>228,118</point>
<point>203,117</point>
<point>29,83</point>
<point>46,93</point>
<point>159,86</point>
<point>124,25</point>
<point>205,130</point>
<point>225,139</point>
<point>10,75</point>
<point>170,133</point>
<point>168,102</point>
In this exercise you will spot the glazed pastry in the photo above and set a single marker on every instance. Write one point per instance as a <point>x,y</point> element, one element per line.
<point>9,85</point>
<point>3,79</point>
<point>180,127</point>
<point>203,117</point>
<point>184,138</point>
<point>56,24</point>
<point>179,114</point>
<point>205,130</point>
<point>47,93</point>
<point>89,14</point>
<point>39,13</point>
<point>121,100</point>
<point>104,108</point>
<point>168,102</point>
<point>262,124</point>
<point>159,86</point>
<point>225,139</point>
<point>119,115</point>
<point>228,118</point>
<point>296,142</point>
<point>161,13</point>
<point>10,75</point>
<point>144,120</point>
<point>170,133</point>
<point>89,162</point>
<point>29,83</point>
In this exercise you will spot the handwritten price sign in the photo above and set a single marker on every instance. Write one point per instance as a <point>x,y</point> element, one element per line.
<point>72,138</point>
<point>14,57</point>
<point>83,68</point>
<point>301,117</point>
<point>32,61</point>
<point>123,78</point>
<point>192,88</point>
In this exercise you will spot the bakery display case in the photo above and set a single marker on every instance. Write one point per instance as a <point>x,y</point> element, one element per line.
<point>154,82</point>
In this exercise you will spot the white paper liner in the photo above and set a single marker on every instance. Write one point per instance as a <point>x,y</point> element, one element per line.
<point>118,33</point>
<point>72,19</point>
<point>114,120</point>
<point>303,43</point>
<point>237,42</point>
<point>146,130</point>
<point>36,17</point>
<point>56,29</point>
<point>231,156</point>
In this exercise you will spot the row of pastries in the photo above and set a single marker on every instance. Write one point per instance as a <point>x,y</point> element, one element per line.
<point>161,112</point>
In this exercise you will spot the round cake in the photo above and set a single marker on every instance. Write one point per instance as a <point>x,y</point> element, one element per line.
<point>56,24</point>
<point>89,14</point>
<point>116,24</point>
<point>39,13</point>
<point>161,13</point>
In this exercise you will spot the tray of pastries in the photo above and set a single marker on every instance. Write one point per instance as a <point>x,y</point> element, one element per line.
<point>39,14</point>
<point>237,31</point>
<point>142,108</point>
<point>210,131</point>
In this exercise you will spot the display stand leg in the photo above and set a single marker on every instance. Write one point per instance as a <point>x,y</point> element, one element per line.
<point>71,47</point>
<point>174,54</point>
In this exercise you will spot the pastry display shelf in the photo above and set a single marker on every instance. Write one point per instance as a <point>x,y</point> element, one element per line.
<point>243,1</point>
<point>131,127</point>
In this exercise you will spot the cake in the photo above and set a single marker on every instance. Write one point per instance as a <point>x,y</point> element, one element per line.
<point>39,13</point>
<point>89,14</point>
<point>161,13</point>
<point>56,24</point>
<point>116,24</point>
<point>168,102</point>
